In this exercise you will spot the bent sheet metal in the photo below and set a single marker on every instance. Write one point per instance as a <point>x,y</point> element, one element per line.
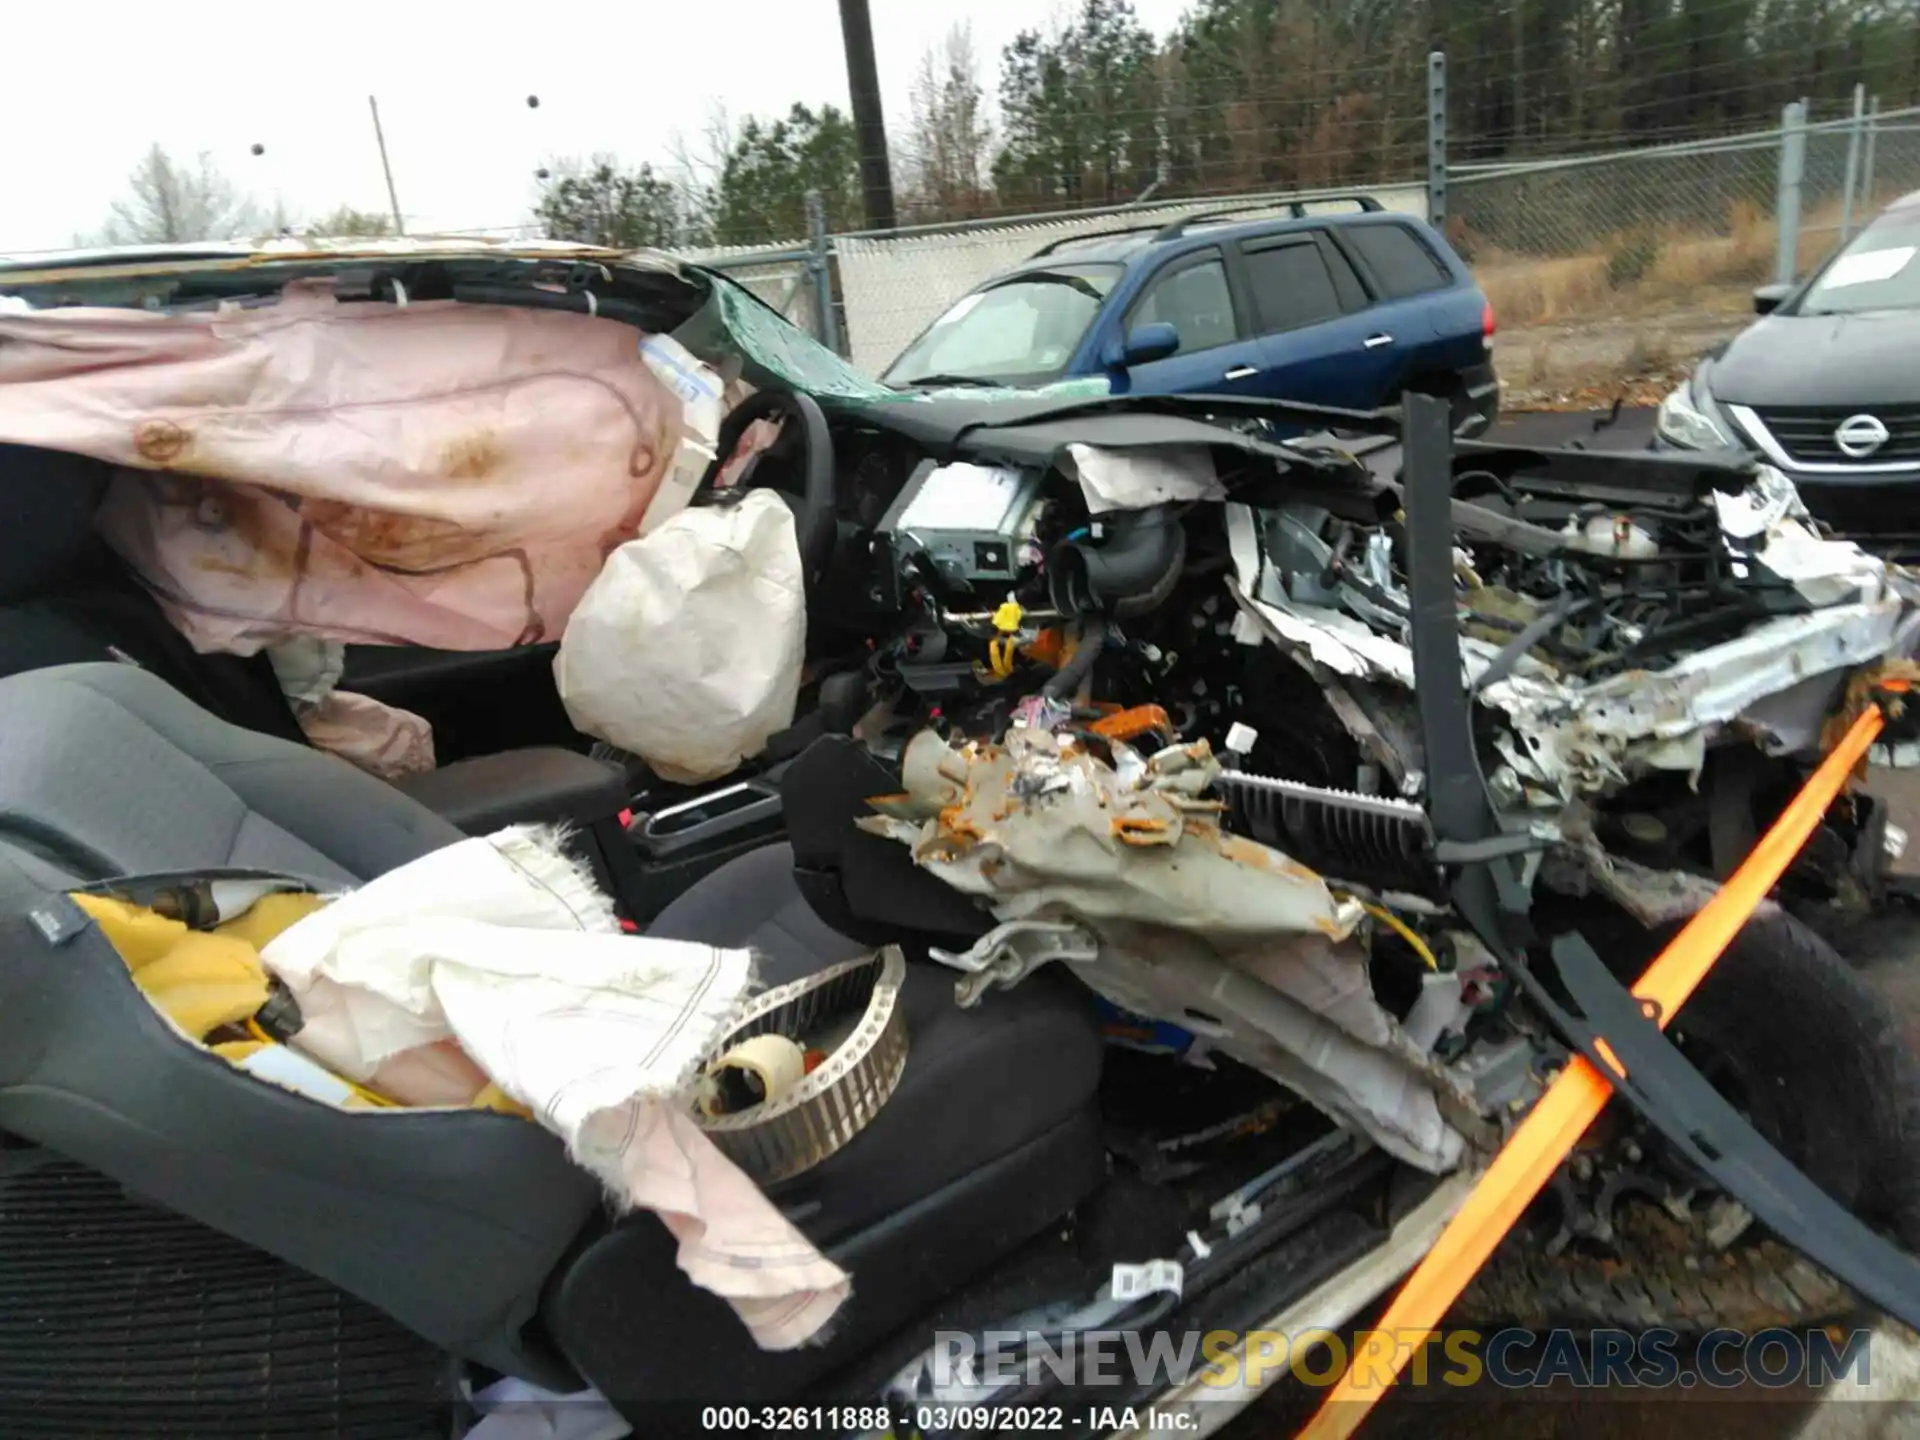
<point>1182,919</point>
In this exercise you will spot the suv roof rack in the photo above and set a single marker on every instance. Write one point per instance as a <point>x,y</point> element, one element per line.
<point>1053,245</point>
<point>1297,210</point>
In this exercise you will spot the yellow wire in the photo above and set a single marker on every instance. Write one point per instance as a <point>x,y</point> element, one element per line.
<point>1000,653</point>
<point>1405,931</point>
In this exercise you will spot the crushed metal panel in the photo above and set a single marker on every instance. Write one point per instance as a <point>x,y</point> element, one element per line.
<point>1195,925</point>
<point>1568,737</point>
<point>1041,822</point>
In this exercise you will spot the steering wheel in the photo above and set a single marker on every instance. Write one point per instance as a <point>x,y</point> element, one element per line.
<point>814,519</point>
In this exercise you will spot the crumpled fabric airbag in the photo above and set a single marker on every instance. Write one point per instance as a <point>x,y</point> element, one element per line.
<point>502,948</point>
<point>687,649</point>
<point>436,474</point>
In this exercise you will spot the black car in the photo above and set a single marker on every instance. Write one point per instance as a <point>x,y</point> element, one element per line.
<point>1825,386</point>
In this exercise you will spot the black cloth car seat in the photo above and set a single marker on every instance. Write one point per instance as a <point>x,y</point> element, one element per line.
<point>66,599</point>
<point>473,1229</point>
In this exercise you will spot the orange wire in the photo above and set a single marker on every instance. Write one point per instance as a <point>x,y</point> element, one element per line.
<point>1572,1102</point>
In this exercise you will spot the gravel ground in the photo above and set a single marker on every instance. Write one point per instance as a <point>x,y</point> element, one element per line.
<point>1888,1409</point>
<point>1546,364</point>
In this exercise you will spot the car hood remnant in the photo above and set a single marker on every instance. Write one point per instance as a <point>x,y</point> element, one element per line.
<point>1119,866</point>
<point>1844,361</point>
<point>1608,637</point>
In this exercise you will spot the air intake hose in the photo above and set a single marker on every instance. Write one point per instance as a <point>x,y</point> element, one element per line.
<point>1130,569</point>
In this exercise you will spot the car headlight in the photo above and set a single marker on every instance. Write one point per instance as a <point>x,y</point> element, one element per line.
<point>1684,423</point>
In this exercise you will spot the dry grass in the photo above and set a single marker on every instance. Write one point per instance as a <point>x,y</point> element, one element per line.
<point>1629,316</point>
<point>1637,272</point>
<point>1536,292</point>
<point>1635,360</point>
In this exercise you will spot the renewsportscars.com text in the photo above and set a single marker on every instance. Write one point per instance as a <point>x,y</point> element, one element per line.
<point>1515,1359</point>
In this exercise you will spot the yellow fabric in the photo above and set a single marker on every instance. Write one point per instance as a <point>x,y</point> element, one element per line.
<point>494,1098</point>
<point>135,931</point>
<point>199,980</point>
<point>205,980</point>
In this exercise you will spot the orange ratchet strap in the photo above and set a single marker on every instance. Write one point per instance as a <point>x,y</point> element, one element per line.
<point>1575,1099</point>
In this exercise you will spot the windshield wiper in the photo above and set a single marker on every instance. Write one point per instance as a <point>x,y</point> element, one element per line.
<point>973,380</point>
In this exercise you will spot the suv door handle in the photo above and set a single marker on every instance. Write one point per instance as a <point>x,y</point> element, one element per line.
<point>1374,342</point>
<point>1241,372</point>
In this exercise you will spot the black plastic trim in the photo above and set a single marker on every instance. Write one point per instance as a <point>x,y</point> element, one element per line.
<point>1677,1100</point>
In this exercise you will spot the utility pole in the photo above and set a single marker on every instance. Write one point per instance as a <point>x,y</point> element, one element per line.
<point>863,82</point>
<point>386,168</point>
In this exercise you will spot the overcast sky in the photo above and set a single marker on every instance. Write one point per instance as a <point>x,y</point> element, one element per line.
<point>82,101</point>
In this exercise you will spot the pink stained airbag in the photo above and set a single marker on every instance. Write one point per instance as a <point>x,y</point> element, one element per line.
<point>433,474</point>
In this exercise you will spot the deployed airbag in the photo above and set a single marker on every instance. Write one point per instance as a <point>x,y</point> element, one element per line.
<point>686,651</point>
<point>435,474</point>
<point>503,949</point>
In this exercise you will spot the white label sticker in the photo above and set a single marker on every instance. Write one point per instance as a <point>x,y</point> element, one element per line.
<point>1156,1277</point>
<point>1867,267</point>
<point>963,309</point>
<point>680,370</point>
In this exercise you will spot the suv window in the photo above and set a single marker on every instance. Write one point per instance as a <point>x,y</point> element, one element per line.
<point>1292,285</point>
<point>1194,299</point>
<point>1401,263</point>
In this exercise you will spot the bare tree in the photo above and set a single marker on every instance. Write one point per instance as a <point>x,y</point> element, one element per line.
<point>170,202</point>
<point>697,168</point>
<point>949,144</point>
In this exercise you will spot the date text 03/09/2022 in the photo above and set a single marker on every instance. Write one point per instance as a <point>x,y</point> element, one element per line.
<point>935,1419</point>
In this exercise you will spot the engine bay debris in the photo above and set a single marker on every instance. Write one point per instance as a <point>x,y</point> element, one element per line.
<point>1120,865</point>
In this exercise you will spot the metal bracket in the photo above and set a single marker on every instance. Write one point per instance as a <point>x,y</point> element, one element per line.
<point>1011,951</point>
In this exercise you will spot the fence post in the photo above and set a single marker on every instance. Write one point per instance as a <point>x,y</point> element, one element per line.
<point>819,260</point>
<point>1437,138</point>
<point>1793,167</point>
<point>1853,162</point>
<point>1866,153</point>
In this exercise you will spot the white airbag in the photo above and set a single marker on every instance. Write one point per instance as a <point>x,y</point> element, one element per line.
<point>686,651</point>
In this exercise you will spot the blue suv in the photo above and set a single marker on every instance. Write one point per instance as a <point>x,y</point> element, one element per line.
<point>1345,309</point>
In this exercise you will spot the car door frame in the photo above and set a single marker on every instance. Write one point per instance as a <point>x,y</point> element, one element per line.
<point>1417,356</point>
<point>1353,288</point>
<point>1120,317</point>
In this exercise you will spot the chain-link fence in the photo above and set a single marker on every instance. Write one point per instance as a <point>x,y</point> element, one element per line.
<point>778,274</point>
<point>1662,245</point>
<point>1885,165</point>
<point>1576,239</point>
<point>1688,227</point>
<point>1606,267</point>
